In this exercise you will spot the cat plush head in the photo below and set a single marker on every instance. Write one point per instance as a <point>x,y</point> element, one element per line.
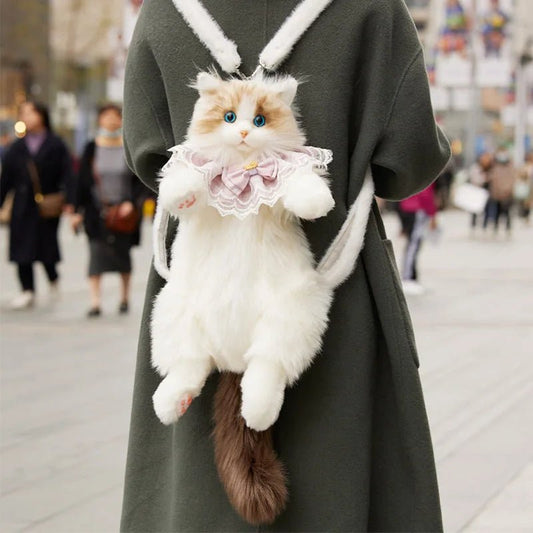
<point>236,120</point>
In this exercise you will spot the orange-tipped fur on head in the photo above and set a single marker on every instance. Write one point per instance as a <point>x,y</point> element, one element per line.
<point>268,97</point>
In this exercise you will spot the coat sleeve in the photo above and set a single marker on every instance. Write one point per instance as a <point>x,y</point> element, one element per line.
<point>147,129</point>
<point>412,149</point>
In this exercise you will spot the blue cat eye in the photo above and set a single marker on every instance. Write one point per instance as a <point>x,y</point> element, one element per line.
<point>230,117</point>
<point>259,120</point>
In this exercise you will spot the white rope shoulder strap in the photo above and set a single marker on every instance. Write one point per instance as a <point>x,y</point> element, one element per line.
<point>224,50</point>
<point>340,258</point>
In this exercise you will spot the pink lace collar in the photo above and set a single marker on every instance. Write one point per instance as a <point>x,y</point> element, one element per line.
<point>240,190</point>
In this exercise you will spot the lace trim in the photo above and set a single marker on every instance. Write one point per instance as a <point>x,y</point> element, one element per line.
<point>258,191</point>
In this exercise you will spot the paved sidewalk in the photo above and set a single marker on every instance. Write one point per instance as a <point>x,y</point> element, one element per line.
<point>474,330</point>
<point>66,386</point>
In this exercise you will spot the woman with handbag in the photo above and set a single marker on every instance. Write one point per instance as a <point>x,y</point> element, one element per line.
<point>38,169</point>
<point>108,200</point>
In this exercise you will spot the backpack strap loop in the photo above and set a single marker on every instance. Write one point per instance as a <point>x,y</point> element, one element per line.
<point>340,258</point>
<point>159,237</point>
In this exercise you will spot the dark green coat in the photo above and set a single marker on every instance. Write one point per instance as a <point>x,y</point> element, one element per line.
<point>353,431</point>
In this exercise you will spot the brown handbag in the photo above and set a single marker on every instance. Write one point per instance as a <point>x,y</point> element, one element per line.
<point>49,205</point>
<point>118,223</point>
<point>113,219</point>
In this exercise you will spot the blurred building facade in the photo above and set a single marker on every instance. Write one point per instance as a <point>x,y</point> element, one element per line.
<point>25,55</point>
<point>483,98</point>
<point>71,54</point>
<point>83,42</point>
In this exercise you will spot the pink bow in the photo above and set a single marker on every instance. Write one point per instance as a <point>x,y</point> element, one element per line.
<point>236,178</point>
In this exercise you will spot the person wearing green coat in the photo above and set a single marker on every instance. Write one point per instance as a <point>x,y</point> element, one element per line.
<point>353,432</point>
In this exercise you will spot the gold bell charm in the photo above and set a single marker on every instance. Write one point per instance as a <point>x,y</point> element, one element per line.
<point>251,165</point>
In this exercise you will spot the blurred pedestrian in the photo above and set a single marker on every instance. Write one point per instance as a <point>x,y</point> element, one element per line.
<point>444,184</point>
<point>38,169</point>
<point>6,138</point>
<point>501,179</point>
<point>523,190</point>
<point>417,215</point>
<point>105,187</point>
<point>478,176</point>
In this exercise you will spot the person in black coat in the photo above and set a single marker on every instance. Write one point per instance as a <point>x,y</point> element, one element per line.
<point>104,180</point>
<point>32,237</point>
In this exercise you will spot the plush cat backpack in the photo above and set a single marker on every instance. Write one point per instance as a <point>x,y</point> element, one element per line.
<point>243,295</point>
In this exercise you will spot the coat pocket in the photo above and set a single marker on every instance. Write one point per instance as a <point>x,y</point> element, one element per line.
<point>404,320</point>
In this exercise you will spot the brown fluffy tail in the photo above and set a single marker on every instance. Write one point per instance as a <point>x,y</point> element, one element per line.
<point>252,474</point>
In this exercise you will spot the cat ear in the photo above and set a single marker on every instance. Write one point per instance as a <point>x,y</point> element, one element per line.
<point>207,83</point>
<point>286,89</point>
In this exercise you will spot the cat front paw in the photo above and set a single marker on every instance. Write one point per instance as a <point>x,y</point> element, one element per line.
<point>170,404</point>
<point>188,202</point>
<point>180,189</point>
<point>308,196</point>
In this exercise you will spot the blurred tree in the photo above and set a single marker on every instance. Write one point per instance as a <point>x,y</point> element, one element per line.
<point>82,40</point>
<point>24,53</point>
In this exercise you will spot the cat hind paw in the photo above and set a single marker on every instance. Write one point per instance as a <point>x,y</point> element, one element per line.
<point>168,408</point>
<point>260,405</point>
<point>259,419</point>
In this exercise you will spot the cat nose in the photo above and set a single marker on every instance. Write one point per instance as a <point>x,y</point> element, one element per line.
<point>244,133</point>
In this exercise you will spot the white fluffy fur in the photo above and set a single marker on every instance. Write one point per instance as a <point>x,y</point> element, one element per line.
<point>242,295</point>
<point>209,32</point>
<point>341,257</point>
<point>295,25</point>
